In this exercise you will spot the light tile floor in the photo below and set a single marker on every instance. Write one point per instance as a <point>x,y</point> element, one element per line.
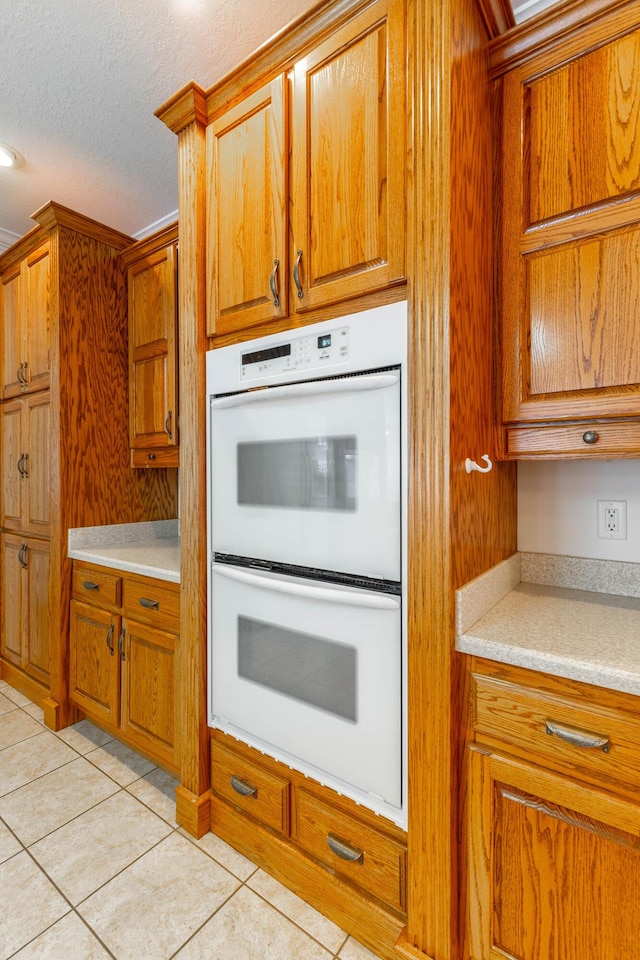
<point>94,866</point>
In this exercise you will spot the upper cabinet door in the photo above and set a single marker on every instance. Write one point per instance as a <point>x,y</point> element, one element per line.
<point>152,351</point>
<point>349,158</point>
<point>570,270</point>
<point>248,211</point>
<point>26,339</point>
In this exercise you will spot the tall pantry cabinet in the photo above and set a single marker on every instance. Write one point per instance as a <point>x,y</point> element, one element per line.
<point>64,440</point>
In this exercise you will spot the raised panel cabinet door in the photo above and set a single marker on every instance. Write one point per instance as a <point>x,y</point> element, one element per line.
<point>36,645</point>
<point>94,661</point>
<point>153,412</point>
<point>248,211</point>
<point>349,158</point>
<point>13,599</point>
<point>37,464</point>
<point>11,333</point>
<point>148,712</point>
<point>36,328</point>
<point>554,866</point>
<point>12,466</point>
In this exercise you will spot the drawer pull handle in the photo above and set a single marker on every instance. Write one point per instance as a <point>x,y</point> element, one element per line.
<point>272,283</point>
<point>344,850</point>
<point>577,737</point>
<point>590,436</point>
<point>296,275</point>
<point>149,604</point>
<point>242,787</point>
<point>89,585</point>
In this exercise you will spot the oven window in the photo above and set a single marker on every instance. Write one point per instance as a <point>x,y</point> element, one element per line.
<point>314,473</point>
<point>308,668</point>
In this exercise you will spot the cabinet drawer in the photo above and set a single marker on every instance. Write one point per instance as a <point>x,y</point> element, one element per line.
<point>250,787</point>
<point>152,604</point>
<point>560,730</point>
<point>96,587</point>
<point>353,849</point>
<point>614,438</point>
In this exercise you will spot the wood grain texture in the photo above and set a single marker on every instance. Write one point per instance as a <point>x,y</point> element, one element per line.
<point>94,662</point>
<point>567,440</point>
<point>54,214</point>
<point>271,802</point>
<point>497,16</point>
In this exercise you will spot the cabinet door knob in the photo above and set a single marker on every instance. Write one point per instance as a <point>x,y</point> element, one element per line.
<point>242,787</point>
<point>344,850</point>
<point>590,436</point>
<point>296,274</point>
<point>272,283</point>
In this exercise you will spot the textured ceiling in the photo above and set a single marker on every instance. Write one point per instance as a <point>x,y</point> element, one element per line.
<point>81,80</point>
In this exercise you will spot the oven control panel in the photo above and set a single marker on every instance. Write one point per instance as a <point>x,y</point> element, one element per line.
<point>297,354</point>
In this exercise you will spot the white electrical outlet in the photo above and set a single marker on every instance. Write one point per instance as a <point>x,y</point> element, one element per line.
<point>612,519</point>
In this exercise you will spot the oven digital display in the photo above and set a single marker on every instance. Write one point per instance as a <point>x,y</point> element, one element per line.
<point>324,341</point>
<point>269,353</point>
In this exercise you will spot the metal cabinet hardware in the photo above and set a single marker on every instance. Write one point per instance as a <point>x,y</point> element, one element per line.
<point>149,604</point>
<point>296,274</point>
<point>344,850</point>
<point>109,639</point>
<point>21,374</point>
<point>242,787</point>
<point>167,426</point>
<point>152,456</point>
<point>577,737</point>
<point>590,436</point>
<point>25,466</point>
<point>22,556</point>
<point>90,585</point>
<point>272,283</point>
<point>121,644</point>
<point>20,465</point>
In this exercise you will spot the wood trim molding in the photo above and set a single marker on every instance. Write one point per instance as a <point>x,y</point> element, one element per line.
<point>21,248</point>
<point>193,813</point>
<point>408,952</point>
<point>497,16</point>
<point>552,29</point>
<point>155,241</point>
<point>55,215</point>
<point>186,106</point>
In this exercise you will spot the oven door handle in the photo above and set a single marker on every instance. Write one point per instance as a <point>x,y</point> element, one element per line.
<point>375,601</point>
<point>374,381</point>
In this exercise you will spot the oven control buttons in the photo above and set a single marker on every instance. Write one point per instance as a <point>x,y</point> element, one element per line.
<point>303,353</point>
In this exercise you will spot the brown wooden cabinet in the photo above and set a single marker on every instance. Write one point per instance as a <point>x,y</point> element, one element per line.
<point>313,837</point>
<point>570,288</point>
<point>124,657</point>
<point>152,271</point>
<point>24,641</point>
<point>553,819</point>
<point>26,464</point>
<point>64,422</point>
<point>26,339</point>
<point>307,179</point>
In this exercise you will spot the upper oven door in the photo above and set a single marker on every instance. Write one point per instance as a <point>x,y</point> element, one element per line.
<point>309,474</point>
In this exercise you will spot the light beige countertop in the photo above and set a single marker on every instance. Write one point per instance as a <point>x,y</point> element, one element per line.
<point>565,616</point>
<point>149,549</point>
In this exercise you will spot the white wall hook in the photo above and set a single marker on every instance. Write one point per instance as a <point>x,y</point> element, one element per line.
<point>471,465</point>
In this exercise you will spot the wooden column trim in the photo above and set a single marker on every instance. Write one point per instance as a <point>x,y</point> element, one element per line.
<point>430,922</point>
<point>497,16</point>
<point>191,711</point>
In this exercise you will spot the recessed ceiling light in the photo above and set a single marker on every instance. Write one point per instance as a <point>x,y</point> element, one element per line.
<point>10,157</point>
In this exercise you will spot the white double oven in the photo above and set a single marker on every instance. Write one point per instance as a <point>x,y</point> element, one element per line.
<point>306,491</point>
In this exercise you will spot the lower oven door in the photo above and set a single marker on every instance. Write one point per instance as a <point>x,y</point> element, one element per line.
<point>310,674</point>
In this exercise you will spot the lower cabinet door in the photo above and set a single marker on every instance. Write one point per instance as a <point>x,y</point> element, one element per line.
<point>553,869</point>
<point>94,665</point>
<point>149,689</point>
<point>13,605</point>
<point>36,644</point>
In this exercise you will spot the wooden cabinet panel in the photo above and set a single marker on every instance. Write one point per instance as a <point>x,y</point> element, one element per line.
<point>13,486</point>
<point>152,349</point>
<point>26,464</point>
<point>11,342</point>
<point>353,849</point>
<point>554,866</point>
<point>250,787</point>
<point>92,585</point>
<point>148,709</point>
<point>584,124</point>
<point>248,211</point>
<point>348,153</point>
<point>604,439</point>
<point>25,605</point>
<point>94,665</point>
<point>36,334</point>
<point>569,246</point>
<point>148,601</point>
